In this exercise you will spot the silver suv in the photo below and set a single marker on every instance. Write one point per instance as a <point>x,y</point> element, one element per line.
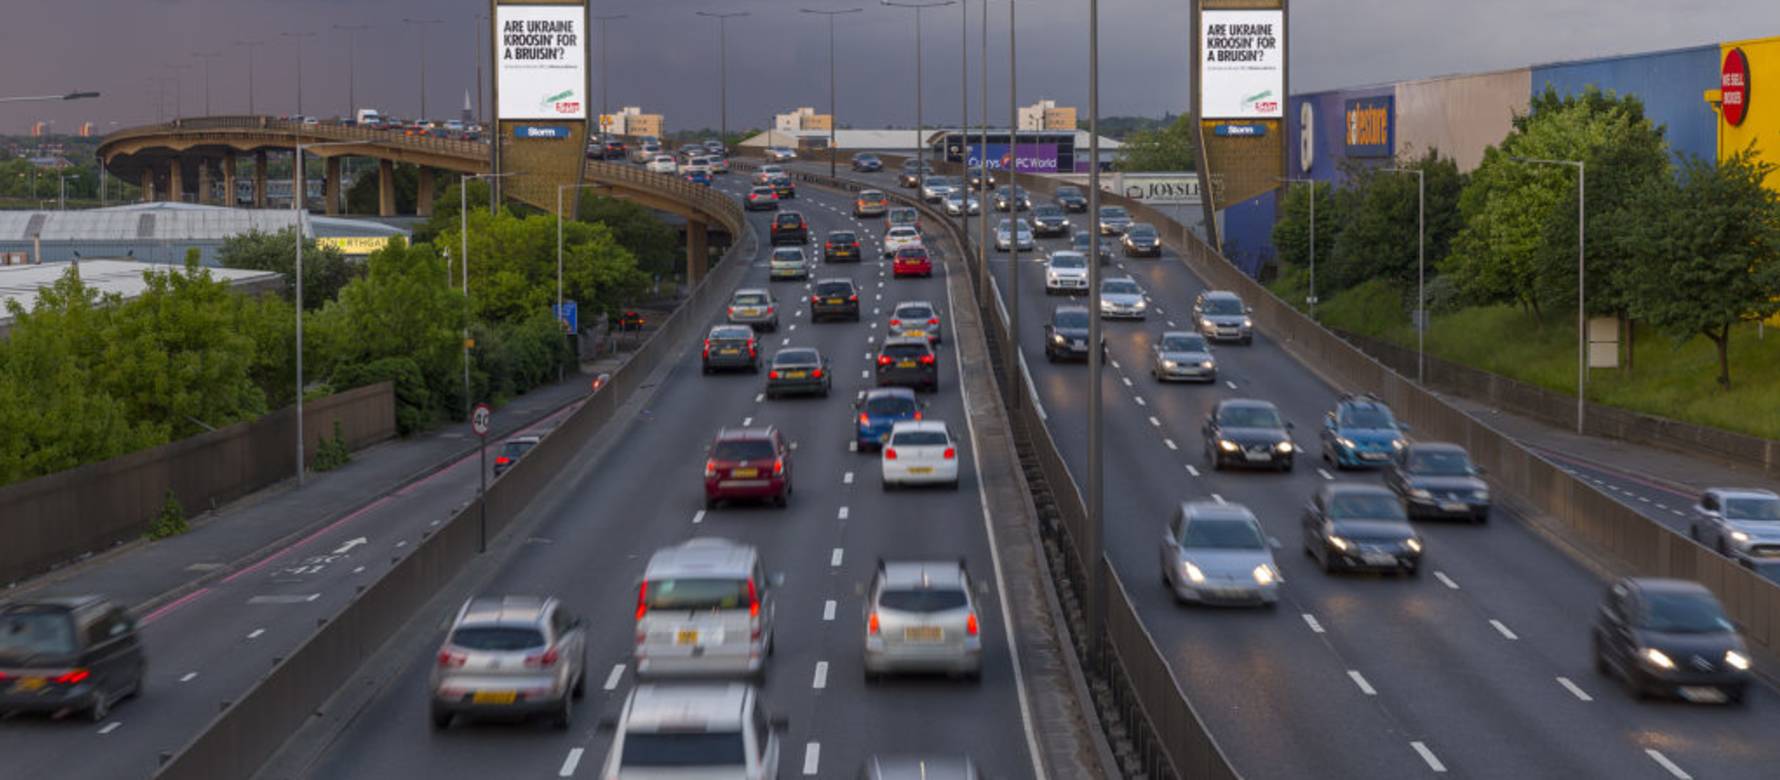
<point>510,656</point>
<point>1740,523</point>
<point>709,731</point>
<point>920,617</point>
<point>1222,316</point>
<point>704,607</point>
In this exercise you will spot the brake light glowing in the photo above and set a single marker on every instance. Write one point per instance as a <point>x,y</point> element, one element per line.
<point>710,468</point>
<point>854,298</point>
<point>970,624</point>
<point>778,466</point>
<point>889,453</point>
<point>871,624</point>
<point>894,322</point>
<point>544,660</point>
<point>917,415</point>
<point>926,360</point>
<point>707,350</point>
<point>753,603</point>
<point>817,374</point>
<point>642,599</point>
<point>774,374</point>
<point>933,320</point>
<point>883,360</point>
<point>864,419</point>
<point>73,676</point>
<point>815,299</point>
<point>502,460</point>
<point>951,452</point>
<point>450,660</point>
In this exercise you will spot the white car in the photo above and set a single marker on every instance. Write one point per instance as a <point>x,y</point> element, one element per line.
<point>1122,297</point>
<point>1004,236</point>
<point>920,453</point>
<point>769,171</point>
<point>697,165</point>
<point>722,726</point>
<point>662,163</point>
<point>719,165</point>
<point>899,237</point>
<point>788,262</point>
<point>780,153</point>
<point>1066,272</point>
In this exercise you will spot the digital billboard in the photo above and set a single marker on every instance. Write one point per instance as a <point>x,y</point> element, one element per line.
<point>540,61</point>
<point>1242,64</point>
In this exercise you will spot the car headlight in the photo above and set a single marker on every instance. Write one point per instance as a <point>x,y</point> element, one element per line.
<point>1264,576</point>
<point>1170,365</point>
<point>1396,444</point>
<point>1413,544</point>
<point>1140,305</point>
<point>1228,446</point>
<point>1657,658</point>
<point>1208,364</point>
<point>1247,323</point>
<point>1057,337</point>
<point>1345,442</point>
<point>1737,660</point>
<point>1739,536</point>
<point>1420,493</point>
<point>1193,573</point>
<point>1284,446</point>
<point>1338,543</point>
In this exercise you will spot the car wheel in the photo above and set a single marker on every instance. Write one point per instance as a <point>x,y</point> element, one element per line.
<point>1735,694</point>
<point>1286,466</point>
<point>1693,531</point>
<point>442,718</point>
<point>101,708</point>
<point>710,503</point>
<point>1050,356</point>
<point>1414,572</point>
<point>1722,549</point>
<point>1326,561</point>
<point>782,499</point>
<point>580,689</point>
<point>754,368</point>
<point>567,713</point>
<point>953,485</point>
<point>1601,666</point>
<point>705,369</point>
<point>888,486</point>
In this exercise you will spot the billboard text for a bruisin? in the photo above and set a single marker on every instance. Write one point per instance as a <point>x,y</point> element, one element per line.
<point>540,61</point>
<point>1242,64</point>
<point>1034,158</point>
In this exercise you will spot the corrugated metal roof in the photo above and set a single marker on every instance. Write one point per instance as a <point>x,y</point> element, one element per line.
<point>171,222</point>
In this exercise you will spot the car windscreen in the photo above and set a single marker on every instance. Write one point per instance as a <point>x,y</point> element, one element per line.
<point>905,350</point>
<point>789,219</point>
<point>1439,464</point>
<point>903,215</point>
<point>27,635</point>
<point>732,334</point>
<point>743,449</point>
<point>515,449</point>
<point>1364,506</point>
<point>1249,417</point>
<point>1070,319</point>
<point>890,406</point>
<point>1047,211</point>
<point>842,238</point>
<point>787,255</point>
<point>762,191</point>
<point>750,299</point>
<point>834,288</point>
<point>920,439</point>
<point>866,157</point>
<point>1064,192</point>
<point>1221,534</point>
<point>922,599</point>
<point>914,312</point>
<point>1113,211</point>
<point>1120,287</point>
<point>1366,417</point>
<point>1683,613</point>
<point>1067,261</point>
<point>1752,509</point>
<point>797,357</point>
<point>498,639</point>
<point>1141,230</point>
<point>685,749</point>
<point>1183,344</point>
<point>696,593</point>
<point>904,232</point>
<point>1222,306</point>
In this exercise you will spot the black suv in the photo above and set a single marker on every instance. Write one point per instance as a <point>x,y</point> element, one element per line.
<point>789,227</point>
<point>841,245</point>
<point>1247,432</point>
<point>837,298</point>
<point>866,162</point>
<point>74,653</point>
<point>908,362</point>
<point>1048,220</point>
<point>1066,335</point>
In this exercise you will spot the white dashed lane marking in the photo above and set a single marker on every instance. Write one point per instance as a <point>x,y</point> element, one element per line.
<point>1502,629</point>
<point>828,610</point>
<point>1445,580</point>
<point>835,560</point>
<point>1428,756</point>
<point>1574,689</point>
<point>1360,680</point>
<point>613,677</point>
<point>1310,620</point>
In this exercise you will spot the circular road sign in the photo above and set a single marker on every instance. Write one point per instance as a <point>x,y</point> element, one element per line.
<point>480,418</point>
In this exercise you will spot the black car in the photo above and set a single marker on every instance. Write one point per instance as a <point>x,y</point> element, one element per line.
<point>1071,198</point>
<point>866,162</point>
<point>730,346</point>
<point>789,227</point>
<point>837,298</point>
<point>1670,637</point>
<point>1084,242</point>
<point>512,450</point>
<point>782,184</point>
<point>1142,240</point>
<point>841,246</point>
<point>1248,432</point>
<point>1066,335</point>
<point>68,654</point>
<point>796,370</point>
<point>908,362</point>
<point>1436,479</point>
<point>1353,525</point>
<point>913,172</point>
<point>1014,198</point>
<point>980,179</point>
<point>1048,220</point>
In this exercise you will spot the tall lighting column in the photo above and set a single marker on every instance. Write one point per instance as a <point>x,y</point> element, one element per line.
<point>833,110</point>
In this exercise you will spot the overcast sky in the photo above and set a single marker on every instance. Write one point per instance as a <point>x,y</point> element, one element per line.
<point>664,58</point>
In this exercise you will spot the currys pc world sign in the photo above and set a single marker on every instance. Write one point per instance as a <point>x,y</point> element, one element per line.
<point>1034,158</point>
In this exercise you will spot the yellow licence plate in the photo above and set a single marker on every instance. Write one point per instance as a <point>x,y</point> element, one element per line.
<point>730,351</point>
<point>914,334</point>
<point>923,634</point>
<point>686,637</point>
<point>834,301</point>
<point>744,473</point>
<point>494,697</point>
<point>796,374</point>
<point>920,469</point>
<point>28,684</point>
<point>905,364</point>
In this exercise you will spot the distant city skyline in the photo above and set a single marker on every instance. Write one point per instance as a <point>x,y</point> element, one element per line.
<point>664,58</point>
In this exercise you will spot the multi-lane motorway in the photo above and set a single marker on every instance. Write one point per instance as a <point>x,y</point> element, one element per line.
<point>1481,667</point>
<point>591,547</point>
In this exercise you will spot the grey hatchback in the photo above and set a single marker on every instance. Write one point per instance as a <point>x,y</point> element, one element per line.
<point>510,656</point>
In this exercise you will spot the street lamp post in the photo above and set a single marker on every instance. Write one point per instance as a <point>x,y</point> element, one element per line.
<point>1581,289</point>
<point>920,131</point>
<point>1421,269</point>
<point>605,83</point>
<point>421,24</point>
<point>1096,356</point>
<point>1013,208</point>
<point>300,184</point>
<point>352,67</point>
<point>207,57</point>
<point>723,68</point>
<point>39,98</point>
<point>251,45</point>
<point>982,190</point>
<point>178,88</point>
<point>833,109</point>
<point>560,216</point>
<point>1311,298</point>
<point>298,37</point>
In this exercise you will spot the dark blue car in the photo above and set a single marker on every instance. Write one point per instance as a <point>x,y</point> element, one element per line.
<point>699,177</point>
<point>878,410</point>
<point>1361,433</point>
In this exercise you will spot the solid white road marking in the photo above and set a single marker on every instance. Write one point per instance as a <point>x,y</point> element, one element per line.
<point>1360,680</point>
<point>1445,580</point>
<point>256,633</point>
<point>821,680</point>
<point>188,676</point>
<point>841,515</point>
<point>1506,634</point>
<point>1428,756</point>
<point>1658,757</point>
<point>835,560</point>
<point>110,727</point>
<point>828,610</point>
<point>612,679</point>
<point>698,517</point>
<point>812,756</point>
<point>569,764</point>
<point>847,478</point>
<point>1192,470</point>
<point>1324,474</point>
<point>1574,689</point>
<point>1170,443</point>
<point>1310,620</point>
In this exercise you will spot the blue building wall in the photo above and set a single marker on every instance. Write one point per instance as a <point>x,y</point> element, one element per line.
<point>1248,233</point>
<point>1669,82</point>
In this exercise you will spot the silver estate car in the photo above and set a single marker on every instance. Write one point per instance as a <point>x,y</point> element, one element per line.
<point>704,607</point>
<point>788,262</point>
<point>510,656</point>
<point>1216,553</point>
<point>1182,354</point>
<point>694,731</point>
<point>921,617</point>
<point>1221,315</point>
<point>753,307</point>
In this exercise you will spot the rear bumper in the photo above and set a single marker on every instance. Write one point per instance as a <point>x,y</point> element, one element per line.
<point>744,488</point>
<point>721,663</point>
<point>911,269</point>
<point>942,473</point>
<point>902,377</point>
<point>849,310</point>
<point>53,698</point>
<point>788,386</point>
<point>951,660</point>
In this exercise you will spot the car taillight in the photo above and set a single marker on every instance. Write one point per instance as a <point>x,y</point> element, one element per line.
<point>970,624</point>
<point>854,298</point>
<point>72,676</point>
<point>543,660</point>
<point>710,468</point>
<point>816,374</point>
<point>926,360</point>
<point>643,599</point>
<point>815,299</point>
<point>951,453</point>
<point>889,453</point>
<point>707,349</point>
<point>864,419</point>
<point>778,466</point>
<point>753,603</point>
<point>771,309</point>
<point>502,460</point>
<point>883,360</point>
<point>895,323</point>
<point>773,374</point>
<point>450,660</point>
<point>871,624</point>
<point>917,415</point>
<point>752,349</point>
<point>933,320</point>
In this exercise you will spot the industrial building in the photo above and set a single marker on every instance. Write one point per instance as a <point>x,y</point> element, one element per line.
<point>108,276</point>
<point>1046,115</point>
<point>160,232</point>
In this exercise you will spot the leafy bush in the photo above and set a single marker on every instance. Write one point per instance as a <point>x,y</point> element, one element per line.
<point>332,453</point>
<point>171,521</point>
<point>415,404</point>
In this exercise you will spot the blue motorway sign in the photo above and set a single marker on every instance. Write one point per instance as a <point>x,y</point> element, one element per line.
<point>1248,131</point>
<point>569,315</point>
<point>535,131</point>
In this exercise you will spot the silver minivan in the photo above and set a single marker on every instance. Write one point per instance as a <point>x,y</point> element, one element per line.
<point>694,731</point>
<point>704,607</point>
<point>510,656</point>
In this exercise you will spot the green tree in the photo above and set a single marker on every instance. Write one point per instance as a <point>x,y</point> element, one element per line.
<point>361,198</point>
<point>1707,251</point>
<point>1291,234</point>
<point>636,228</point>
<point>1380,209</point>
<point>513,266</point>
<point>325,269</point>
<point>1165,149</point>
<point>445,211</point>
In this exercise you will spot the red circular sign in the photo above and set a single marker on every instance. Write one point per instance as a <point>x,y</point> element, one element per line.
<point>1733,85</point>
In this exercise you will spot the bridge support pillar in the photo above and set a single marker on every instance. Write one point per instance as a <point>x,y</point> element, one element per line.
<point>176,180</point>
<point>698,253</point>
<point>330,187</point>
<point>148,184</point>
<point>386,188</point>
<point>259,179</point>
<point>230,169</point>
<point>423,197</point>
<point>205,195</point>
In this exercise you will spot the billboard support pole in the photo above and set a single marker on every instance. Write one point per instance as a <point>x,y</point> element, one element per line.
<point>1200,159</point>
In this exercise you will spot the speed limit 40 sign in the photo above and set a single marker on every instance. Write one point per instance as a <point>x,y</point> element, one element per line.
<point>480,417</point>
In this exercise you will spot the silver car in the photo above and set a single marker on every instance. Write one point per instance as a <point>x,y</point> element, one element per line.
<point>788,262</point>
<point>1114,220</point>
<point>1221,315</point>
<point>1740,523</point>
<point>753,307</point>
<point>1216,553</point>
<point>1004,235</point>
<point>957,203</point>
<point>510,656</point>
<point>704,607</point>
<point>915,319</point>
<point>935,188</point>
<point>921,617</point>
<point>710,731</point>
<point>1122,298</point>
<point>1182,354</point>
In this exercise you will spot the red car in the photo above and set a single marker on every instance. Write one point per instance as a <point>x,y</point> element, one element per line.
<point>748,463</point>
<point>911,261</point>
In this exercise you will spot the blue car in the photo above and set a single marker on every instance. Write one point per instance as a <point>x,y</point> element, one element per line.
<point>1361,433</point>
<point>699,177</point>
<point>878,410</point>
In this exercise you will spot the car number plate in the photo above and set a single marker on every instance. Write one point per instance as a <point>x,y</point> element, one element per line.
<point>923,634</point>
<point>744,473</point>
<point>1703,694</point>
<point>1453,506</point>
<point>920,469</point>
<point>796,374</point>
<point>1379,559</point>
<point>494,697</point>
<point>914,334</point>
<point>905,364</point>
<point>1372,456</point>
<point>834,301</point>
<point>729,351</point>
<point>1258,456</point>
<point>28,684</point>
<point>686,637</point>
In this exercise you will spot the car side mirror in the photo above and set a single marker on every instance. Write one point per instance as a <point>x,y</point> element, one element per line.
<point>1289,425</point>
<point>1478,471</point>
<point>780,722</point>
